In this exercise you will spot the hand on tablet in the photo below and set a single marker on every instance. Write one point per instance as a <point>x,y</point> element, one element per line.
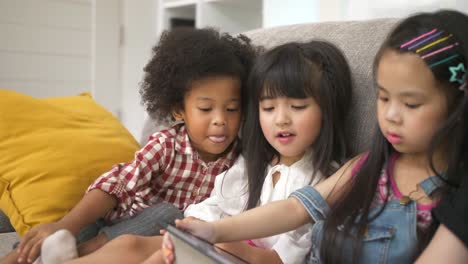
<point>197,227</point>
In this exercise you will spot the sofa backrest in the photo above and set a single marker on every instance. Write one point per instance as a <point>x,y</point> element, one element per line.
<point>359,41</point>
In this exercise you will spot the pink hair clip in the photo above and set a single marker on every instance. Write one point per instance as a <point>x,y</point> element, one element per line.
<point>418,38</point>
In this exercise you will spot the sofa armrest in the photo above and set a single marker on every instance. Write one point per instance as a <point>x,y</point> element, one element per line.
<point>5,225</point>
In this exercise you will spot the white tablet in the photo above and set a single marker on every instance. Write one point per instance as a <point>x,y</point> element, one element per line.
<point>191,249</point>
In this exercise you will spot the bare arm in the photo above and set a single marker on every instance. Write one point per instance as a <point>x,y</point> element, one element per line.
<point>270,219</point>
<point>273,218</point>
<point>94,205</point>
<point>445,247</point>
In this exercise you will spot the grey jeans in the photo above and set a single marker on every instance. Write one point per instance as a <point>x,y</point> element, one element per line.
<point>146,223</point>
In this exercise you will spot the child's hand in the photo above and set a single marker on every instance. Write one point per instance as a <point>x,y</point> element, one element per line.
<point>167,248</point>
<point>30,246</point>
<point>197,227</point>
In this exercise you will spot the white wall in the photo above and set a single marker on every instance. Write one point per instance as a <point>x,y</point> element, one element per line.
<point>46,46</point>
<point>281,12</point>
<point>365,9</point>
<point>139,27</point>
<point>105,42</point>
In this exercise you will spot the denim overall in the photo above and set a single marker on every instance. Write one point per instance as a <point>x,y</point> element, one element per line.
<point>390,238</point>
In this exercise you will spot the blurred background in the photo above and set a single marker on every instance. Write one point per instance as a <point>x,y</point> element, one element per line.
<point>65,47</point>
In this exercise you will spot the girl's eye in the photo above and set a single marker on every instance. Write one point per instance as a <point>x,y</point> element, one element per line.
<point>299,107</point>
<point>412,106</point>
<point>233,109</point>
<point>267,109</point>
<point>383,98</point>
<point>204,109</point>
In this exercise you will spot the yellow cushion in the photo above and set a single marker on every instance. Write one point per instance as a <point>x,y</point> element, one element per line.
<point>51,150</point>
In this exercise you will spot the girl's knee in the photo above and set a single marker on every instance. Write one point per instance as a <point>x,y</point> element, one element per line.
<point>128,241</point>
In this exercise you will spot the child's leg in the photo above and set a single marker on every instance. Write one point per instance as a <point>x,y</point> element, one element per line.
<point>92,245</point>
<point>123,249</point>
<point>250,254</point>
<point>156,258</point>
<point>147,223</point>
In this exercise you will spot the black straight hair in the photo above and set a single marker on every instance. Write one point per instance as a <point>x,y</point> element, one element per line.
<point>352,211</point>
<point>315,69</point>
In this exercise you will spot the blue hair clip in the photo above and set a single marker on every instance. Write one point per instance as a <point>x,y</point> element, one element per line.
<point>455,70</point>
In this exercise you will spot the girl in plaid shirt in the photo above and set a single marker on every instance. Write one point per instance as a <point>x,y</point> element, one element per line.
<point>196,76</point>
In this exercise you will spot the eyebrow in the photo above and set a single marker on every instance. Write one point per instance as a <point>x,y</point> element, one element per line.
<point>211,99</point>
<point>405,94</point>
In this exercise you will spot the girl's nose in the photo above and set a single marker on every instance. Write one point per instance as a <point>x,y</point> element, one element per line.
<point>392,114</point>
<point>219,119</point>
<point>282,118</point>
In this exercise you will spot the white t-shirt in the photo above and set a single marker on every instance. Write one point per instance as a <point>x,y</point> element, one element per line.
<point>230,194</point>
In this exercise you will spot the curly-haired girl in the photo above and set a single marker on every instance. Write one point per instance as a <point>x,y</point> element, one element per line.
<point>195,77</point>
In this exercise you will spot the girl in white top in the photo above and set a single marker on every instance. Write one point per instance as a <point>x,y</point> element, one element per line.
<point>290,247</point>
<point>293,133</point>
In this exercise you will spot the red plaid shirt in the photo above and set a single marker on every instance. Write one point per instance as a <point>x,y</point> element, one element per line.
<point>167,169</point>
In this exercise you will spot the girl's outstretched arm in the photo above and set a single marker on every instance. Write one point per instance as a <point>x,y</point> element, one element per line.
<point>444,247</point>
<point>273,218</point>
<point>270,219</point>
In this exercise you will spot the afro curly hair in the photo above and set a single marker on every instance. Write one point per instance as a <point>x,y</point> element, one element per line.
<point>185,55</point>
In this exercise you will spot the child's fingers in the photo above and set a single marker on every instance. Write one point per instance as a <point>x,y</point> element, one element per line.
<point>162,232</point>
<point>25,240</point>
<point>168,256</point>
<point>25,251</point>
<point>167,242</point>
<point>34,252</point>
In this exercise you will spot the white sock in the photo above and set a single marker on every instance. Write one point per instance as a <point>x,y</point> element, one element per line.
<point>58,248</point>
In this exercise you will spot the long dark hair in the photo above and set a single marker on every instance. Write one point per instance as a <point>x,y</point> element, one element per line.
<point>352,210</point>
<point>298,70</point>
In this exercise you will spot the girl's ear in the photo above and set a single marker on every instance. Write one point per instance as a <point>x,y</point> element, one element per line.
<point>178,114</point>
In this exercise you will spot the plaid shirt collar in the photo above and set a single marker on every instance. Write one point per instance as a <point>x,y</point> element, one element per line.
<point>183,146</point>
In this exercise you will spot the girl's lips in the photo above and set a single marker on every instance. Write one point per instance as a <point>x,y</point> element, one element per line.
<point>394,138</point>
<point>285,137</point>
<point>217,139</point>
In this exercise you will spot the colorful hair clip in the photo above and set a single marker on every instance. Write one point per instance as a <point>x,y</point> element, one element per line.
<point>455,70</point>
<point>418,38</point>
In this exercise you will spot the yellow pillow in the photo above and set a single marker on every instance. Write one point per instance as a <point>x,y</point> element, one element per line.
<point>51,150</point>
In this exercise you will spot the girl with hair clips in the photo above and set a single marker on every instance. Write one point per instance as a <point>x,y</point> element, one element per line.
<point>377,207</point>
<point>196,76</point>
<point>293,136</point>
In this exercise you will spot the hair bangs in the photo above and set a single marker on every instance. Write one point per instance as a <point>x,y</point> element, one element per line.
<point>294,77</point>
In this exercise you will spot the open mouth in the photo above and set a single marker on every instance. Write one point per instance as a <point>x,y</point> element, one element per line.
<point>285,137</point>
<point>217,139</point>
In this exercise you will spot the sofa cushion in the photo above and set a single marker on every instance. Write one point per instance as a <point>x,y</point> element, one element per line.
<point>359,41</point>
<point>51,150</point>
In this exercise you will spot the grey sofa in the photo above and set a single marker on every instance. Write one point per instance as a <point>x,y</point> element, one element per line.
<point>358,39</point>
